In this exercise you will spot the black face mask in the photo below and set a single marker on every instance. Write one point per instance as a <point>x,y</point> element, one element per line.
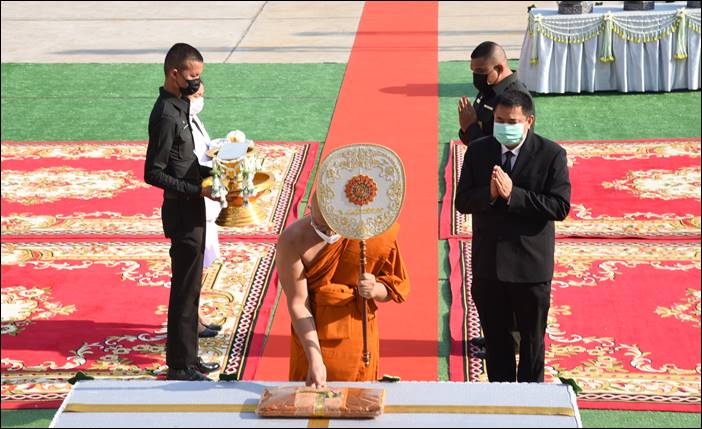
<point>193,86</point>
<point>480,82</point>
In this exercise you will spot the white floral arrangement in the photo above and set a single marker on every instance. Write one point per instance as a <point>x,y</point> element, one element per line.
<point>248,167</point>
<point>219,190</point>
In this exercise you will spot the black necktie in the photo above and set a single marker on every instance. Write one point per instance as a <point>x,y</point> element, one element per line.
<point>507,166</point>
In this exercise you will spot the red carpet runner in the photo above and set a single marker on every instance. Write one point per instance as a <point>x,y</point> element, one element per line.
<point>389,96</point>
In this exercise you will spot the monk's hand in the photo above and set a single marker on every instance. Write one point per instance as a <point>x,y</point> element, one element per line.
<point>503,182</point>
<point>316,374</point>
<point>367,286</point>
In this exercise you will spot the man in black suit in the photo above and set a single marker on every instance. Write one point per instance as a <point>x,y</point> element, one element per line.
<point>491,77</point>
<point>515,184</point>
<point>171,164</point>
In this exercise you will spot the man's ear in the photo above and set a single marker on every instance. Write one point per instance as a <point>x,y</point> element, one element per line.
<point>531,120</point>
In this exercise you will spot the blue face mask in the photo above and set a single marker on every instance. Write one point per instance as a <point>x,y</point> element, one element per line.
<point>509,135</point>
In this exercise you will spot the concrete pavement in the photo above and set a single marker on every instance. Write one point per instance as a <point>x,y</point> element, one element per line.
<point>232,32</point>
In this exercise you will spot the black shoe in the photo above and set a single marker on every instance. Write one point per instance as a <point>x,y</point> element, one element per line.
<point>478,342</point>
<point>205,367</point>
<point>207,333</point>
<point>480,354</point>
<point>187,375</point>
<point>214,327</point>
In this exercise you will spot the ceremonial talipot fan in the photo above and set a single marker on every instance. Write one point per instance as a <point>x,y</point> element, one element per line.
<point>360,190</point>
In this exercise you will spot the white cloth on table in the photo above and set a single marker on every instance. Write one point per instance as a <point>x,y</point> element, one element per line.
<point>212,208</point>
<point>573,62</point>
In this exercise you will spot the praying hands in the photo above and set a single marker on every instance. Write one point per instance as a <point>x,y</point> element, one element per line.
<point>500,184</point>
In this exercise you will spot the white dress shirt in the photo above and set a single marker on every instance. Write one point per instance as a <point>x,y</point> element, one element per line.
<point>514,151</point>
<point>212,208</point>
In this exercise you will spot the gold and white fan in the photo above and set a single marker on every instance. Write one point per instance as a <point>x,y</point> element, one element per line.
<point>360,191</point>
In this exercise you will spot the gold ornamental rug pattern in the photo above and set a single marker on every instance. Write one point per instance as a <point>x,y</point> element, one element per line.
<point>624,322</point>
<point>619,188</point>
<point>129,207</point>
<point>101,308</point>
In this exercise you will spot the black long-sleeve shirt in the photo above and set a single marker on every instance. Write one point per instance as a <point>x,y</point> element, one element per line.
<point>484,106</point>
<point>171,163</point>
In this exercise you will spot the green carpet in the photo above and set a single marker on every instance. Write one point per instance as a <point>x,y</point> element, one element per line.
<point>286,102</point>
<point>638,419</point>
<point>69,102</point>
<point>27,418</point>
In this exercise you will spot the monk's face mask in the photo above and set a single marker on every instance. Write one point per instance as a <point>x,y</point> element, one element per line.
<point>329,239</point>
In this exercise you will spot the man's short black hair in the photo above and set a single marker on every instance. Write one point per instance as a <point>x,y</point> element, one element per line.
<point>484,50</point>
<point>179,55</point>
<point>512,98</point>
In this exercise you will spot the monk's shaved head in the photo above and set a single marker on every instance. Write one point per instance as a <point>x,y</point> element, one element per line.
<point>316,213</point>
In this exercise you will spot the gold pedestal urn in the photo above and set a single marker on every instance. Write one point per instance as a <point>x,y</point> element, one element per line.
<point>242,209</point>
<point>242,212</point>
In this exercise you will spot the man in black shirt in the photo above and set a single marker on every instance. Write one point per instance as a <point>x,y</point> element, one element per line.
<point>491,76</point>
<point>171,165</point>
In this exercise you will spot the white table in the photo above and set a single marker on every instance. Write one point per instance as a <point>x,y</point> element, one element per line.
<point>201,404</point>
<point>612,50</point>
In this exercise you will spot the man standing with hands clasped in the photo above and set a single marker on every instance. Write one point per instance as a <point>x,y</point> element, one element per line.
<point>515,184</point>
<point>171,164</point>
<point>491,77</point>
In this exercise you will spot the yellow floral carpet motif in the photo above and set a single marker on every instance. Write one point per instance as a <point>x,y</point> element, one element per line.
<point>51,184</point>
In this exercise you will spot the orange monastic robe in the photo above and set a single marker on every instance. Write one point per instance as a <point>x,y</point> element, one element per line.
<point>336,305</point>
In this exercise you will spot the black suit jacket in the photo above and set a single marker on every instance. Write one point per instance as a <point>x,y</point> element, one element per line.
<point>515,242</point>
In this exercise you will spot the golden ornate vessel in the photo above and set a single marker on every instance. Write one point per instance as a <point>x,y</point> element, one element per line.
<point>240,213</point>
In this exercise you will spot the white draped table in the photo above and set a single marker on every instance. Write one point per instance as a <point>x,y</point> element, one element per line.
<point>148,403</point>
<point>612,50</point>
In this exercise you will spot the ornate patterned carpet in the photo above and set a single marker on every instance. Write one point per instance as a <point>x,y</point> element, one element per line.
<point>101,308</point>
<point>623,312</point>
<point>86,270</point>
<point>633,189</point>
<point>624,322</point>
<point>96,189</point>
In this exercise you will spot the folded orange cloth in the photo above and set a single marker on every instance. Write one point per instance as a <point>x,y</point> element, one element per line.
<point>345,402</point>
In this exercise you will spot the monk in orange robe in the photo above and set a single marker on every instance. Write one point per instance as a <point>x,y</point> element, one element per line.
<point>320,275</point>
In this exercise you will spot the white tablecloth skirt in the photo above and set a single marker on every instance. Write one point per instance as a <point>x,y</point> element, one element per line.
<point>638,67</point>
